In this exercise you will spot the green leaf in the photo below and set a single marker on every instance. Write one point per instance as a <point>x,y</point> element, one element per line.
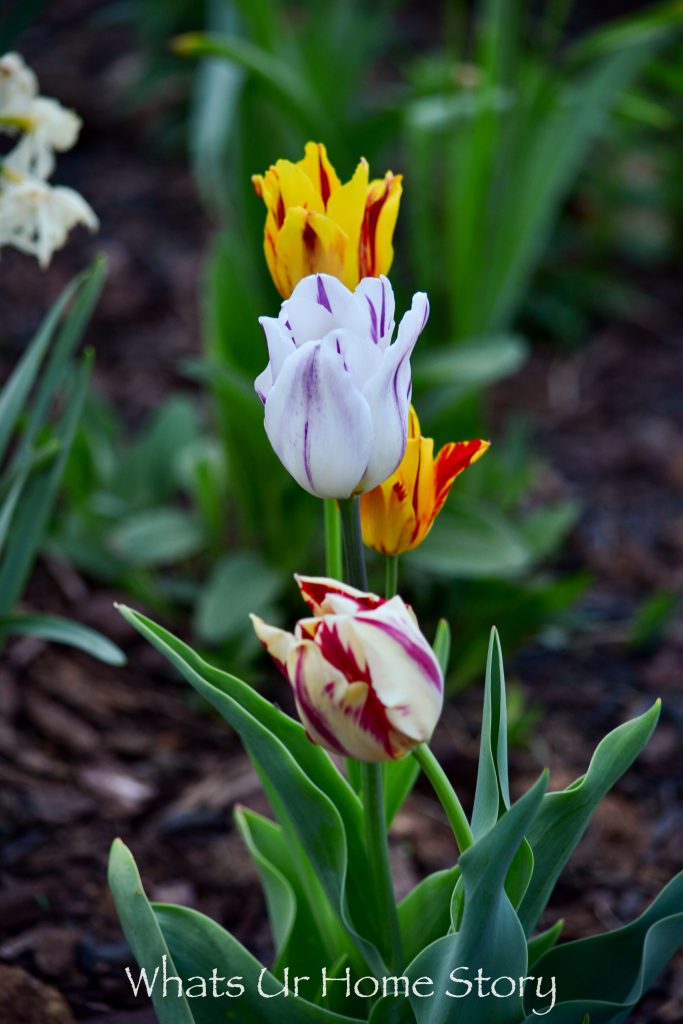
<point>543,943</point>
<point>158,536</point>
<point>606,975</point>
<point>198,945</point>
<point>442,645</point>
<point>144,934</point>
<point>310,797</point>
<point>35,505</point>
<point>471,541</point>
<point>425,913</point>
<point>63,631</point>
<point>490,934</point>
<point>492,794</point>
<point>298,942</point>
<point>239,584</point>
<point>565,814</point>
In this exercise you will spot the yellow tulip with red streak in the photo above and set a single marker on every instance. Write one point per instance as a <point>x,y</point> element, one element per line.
<point>317,225</point>
<point>398,514</point>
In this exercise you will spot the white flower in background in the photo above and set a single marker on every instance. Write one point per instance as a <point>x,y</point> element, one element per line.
<point>337,390</point>
<point>36,217</point>
<point>50,128</point>
<point>18,86</point>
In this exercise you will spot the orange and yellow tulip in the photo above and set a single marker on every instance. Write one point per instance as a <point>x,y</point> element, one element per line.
<point>317,225</point>
<point>397,515</point>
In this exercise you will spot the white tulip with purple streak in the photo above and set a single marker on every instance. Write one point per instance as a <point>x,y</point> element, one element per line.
<point>336,390</point>
<point>366,682</point>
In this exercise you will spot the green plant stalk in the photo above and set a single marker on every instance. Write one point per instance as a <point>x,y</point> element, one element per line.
<point>390,576</point>
<point>354,554</point>
<point>334,565</point>
<point>376,838</point>
<point>447,796</point>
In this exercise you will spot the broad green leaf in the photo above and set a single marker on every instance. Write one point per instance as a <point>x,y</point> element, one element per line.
<point>239,584</point>
<point>471,541</point>
<point>157,536</point>
<point>198,945</point>
<point>63,631</point>
<point>425,913</point>
<point>298,942</point>
<point>565,815</point>
<point>299,776</point>
<point>490,935</point>
<point>604,976</point>
<point>144,934</point>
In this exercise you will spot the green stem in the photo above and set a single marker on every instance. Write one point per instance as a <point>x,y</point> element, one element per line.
<point>447,796</point>
<point>333,540</point>
<point>354,554</point>
<point>390,575</point>
<point>380,866</point>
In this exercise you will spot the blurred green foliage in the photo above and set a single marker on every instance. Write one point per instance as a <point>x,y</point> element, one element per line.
<point>40,407</point>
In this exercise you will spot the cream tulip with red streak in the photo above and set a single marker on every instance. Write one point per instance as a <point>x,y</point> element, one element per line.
<point>366,682</point>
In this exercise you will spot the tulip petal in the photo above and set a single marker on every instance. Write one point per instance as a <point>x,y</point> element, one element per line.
<point>347,208</point>
<point>263,384</point>
<point>319,423</point>
<point>317,167</point>
<point>343,718</point>
<point>279,342</point>
<point>316,590</point>
<point>379,297</point>
<point>388,395</point>
<point>318,304</point>
<point>278,642</point>
<point>307,242</point>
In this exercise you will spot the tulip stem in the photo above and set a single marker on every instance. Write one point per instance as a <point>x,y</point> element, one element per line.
<point>447,796</point>
<point>354,554</point>
<point>377,846</point>
<point>390,575</point>
<point>334,566</point>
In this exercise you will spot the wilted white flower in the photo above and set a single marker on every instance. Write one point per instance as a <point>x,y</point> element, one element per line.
<point>49,128</point>
<point>36,217</point>
<point>18,85</point>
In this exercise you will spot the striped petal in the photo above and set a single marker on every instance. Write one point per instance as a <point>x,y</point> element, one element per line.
<point>318,590</point>
<point>378,296</point>
<point>388,396</point>
<point>318,422</point>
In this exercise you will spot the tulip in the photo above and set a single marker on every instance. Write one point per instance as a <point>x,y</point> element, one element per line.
<point>398,514</point>
<point>366,682</point>
<point>315,224</point>
<point>336,390</point>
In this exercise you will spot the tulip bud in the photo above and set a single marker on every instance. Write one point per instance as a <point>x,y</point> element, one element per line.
<point>366,682</point>
<point>398,514</point>
<point>336,390</point>
<point>315,224</point>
